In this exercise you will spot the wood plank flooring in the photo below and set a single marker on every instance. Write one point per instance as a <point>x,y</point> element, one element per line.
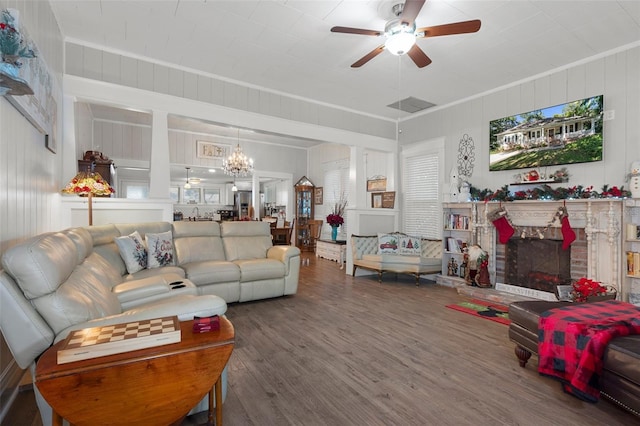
<point>351,351</point>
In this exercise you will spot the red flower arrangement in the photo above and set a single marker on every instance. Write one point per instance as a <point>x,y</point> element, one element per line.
<point>584,288</point>
<point>335,220</point>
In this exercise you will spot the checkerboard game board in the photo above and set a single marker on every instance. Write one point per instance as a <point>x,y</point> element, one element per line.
<point>112,339</point>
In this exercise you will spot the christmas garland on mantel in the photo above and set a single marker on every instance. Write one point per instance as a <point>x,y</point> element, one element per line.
<point>546,192</point>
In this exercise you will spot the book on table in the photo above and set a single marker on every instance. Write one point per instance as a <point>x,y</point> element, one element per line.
<point>118,338</point>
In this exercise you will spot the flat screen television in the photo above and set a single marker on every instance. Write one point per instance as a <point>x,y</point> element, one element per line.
<point>562,134</point>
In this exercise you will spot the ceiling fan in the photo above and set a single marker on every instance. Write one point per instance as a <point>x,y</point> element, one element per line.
<point>401,33</point>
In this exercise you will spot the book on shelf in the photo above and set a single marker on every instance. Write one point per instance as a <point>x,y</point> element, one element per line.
<point>113,339</point>
<point>453,246</point>
<point>456,221</point>
<point>633,263</point>
<point>633,231</point>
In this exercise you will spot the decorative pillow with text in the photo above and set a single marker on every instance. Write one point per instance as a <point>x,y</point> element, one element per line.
<point>132,251</point>
<point>387,243</point>
<point>410,245</point>
<point>160,247</point>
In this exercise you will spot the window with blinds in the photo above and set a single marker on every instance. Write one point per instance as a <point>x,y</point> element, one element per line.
<point>421,201</point>
<point>336,185</point>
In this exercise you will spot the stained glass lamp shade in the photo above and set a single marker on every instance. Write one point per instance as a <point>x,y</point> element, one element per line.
<point>88,184</point>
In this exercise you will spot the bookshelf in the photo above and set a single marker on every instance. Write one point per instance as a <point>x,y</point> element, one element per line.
<point>458,232</point>
<point>631,251</point>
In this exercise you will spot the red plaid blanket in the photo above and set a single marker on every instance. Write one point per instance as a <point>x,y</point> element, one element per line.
<point>572,341</point>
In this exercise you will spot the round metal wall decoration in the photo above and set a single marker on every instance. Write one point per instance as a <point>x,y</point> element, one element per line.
<point>466,156</point>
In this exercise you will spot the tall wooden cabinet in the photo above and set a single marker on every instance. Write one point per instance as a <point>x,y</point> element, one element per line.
<point>104,168</point>
<point>304,212</point>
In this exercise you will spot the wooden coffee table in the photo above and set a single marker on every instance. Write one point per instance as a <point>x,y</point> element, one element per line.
<point>153,386</point>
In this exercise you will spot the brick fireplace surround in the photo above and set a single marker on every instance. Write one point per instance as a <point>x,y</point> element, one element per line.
<point>596,252</point>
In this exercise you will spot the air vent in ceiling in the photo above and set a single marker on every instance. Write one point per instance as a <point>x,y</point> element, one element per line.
<point>411,105</point>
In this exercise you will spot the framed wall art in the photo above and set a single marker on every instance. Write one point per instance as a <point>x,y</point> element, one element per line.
<point>318,196</point>
<point>377,184</point>
<point>388,200</point>
<point>210,150</point>
<point>376,200</point>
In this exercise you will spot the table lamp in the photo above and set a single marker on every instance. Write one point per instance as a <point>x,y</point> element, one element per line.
<point>88,184</point>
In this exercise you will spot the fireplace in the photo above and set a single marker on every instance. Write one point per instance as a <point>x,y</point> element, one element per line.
<point>533,263</point>
<point>595,253</point>
<point>537,264</point>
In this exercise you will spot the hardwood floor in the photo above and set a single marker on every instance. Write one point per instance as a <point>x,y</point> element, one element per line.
<point>351,351</point>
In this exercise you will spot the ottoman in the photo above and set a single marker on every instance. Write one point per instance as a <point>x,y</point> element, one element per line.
<point>620,380</point>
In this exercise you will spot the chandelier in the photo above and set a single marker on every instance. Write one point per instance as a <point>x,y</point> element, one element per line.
<point>237,164</point>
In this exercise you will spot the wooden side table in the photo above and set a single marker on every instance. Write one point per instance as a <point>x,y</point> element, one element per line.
<point>332,250</point>
<point>153,386</point>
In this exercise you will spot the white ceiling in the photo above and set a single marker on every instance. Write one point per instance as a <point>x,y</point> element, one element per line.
<point>286,45</point>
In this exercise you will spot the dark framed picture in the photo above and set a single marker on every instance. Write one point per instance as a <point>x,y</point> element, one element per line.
<point>317,199</point>
<point>388,200</point>
<point>377,184</point>
<point>376,200</point>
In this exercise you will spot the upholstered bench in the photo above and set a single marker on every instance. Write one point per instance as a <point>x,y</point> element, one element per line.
<point>620,380</point>
<point>390,253</point>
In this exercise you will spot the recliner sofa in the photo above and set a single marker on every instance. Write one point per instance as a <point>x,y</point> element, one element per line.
<point>57,282</point>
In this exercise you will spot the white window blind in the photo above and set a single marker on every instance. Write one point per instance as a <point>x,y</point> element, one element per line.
<point>421,203</point>
<point>336,185</point>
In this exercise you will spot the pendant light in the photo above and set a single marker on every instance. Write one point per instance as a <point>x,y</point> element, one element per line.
<point>187,185</point>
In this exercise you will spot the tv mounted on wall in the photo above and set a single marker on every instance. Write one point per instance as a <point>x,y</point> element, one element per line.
<point>561,134</point>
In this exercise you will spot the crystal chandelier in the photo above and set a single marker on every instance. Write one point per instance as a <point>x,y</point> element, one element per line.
<point>237,164</point>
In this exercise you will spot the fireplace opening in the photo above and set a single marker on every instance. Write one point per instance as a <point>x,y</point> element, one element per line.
<point>537,264</point>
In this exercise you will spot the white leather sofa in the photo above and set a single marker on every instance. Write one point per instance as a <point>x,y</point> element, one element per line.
<point>61,281</point>
<point>367,254</point>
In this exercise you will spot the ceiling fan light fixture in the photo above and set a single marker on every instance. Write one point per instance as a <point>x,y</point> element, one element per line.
<point>400,37</point>
<point>399,44</point>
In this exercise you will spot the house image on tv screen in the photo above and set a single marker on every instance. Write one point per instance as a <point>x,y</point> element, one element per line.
<point>563,134</point>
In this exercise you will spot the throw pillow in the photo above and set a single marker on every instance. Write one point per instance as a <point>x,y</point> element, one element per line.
<point>160,248</point>
<point>410,245</point>
<point>387,243</point>
<point>132,251</point>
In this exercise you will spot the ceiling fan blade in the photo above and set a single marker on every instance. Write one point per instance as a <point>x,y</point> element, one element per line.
<point>369,56</point>
<point>449,29</point>
<point>410,10</point>
<point>349,30</point>
<point>419,57</point>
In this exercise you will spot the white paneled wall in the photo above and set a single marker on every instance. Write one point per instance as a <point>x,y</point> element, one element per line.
<point>615,76</point>
<point>29,173</point>
<point>121,140</point>
<point>133,142</point>
<point>29,181</point>
<point>89,62</point>
<point>83,129</point>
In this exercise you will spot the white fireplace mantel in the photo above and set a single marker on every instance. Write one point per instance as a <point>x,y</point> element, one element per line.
<point>600,218</point>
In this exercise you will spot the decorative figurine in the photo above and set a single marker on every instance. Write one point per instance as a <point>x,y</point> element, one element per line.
<point>634,179</point>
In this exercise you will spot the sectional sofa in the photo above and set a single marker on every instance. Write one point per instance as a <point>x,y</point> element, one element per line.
<point>57,282</point>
